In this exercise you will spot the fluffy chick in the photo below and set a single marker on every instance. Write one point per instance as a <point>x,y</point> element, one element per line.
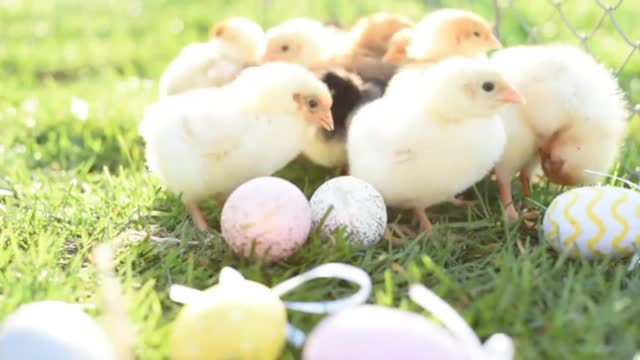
<point>574,118</point>
<point>235,43</point>
<point>371,35</point>
<point>302,41</point>
<point>207,142</point>
<point>349,92</point>
<point>397,48</point>
<point>441,34</point>
<point>367,43</point>
<point>441,141</point>
<point>451,32</point>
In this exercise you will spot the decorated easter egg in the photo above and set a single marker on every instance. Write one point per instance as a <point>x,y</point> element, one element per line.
<point>269,216</point>
<point>235,319</point>
<point>353,204</point>
<point>594,221</point>
<point>53,330</point>
<point>379,333</point>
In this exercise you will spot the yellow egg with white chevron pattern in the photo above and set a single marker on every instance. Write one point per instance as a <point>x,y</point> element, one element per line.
<point>594,221</point>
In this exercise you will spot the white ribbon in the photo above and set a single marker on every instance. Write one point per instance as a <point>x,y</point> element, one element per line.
<point>295,336</point>
<point>327,271</point>
<point>625,181</point>
<point>497,347</point>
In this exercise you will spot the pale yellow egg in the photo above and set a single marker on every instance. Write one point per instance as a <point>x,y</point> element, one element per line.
<point>240,320</point>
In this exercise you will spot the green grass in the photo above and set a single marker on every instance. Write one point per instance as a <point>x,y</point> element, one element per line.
<point>75,183</point>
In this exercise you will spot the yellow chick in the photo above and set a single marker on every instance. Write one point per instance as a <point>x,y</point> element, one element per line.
<point>574,119</point>
<point>235,44</point>
<point>302,41</point>
<point>422,150</point>
<point>451,32</point>
<point>441,34</point>
<point>206,142</point>
<point>314,45</point>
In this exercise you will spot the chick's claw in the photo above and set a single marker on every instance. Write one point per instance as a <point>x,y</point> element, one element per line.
<point>391,238</point>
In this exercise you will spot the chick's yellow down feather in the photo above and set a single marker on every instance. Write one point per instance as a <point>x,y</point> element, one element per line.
<point>450,32</point>
<point>235,44</point>
<point>367,43</point>
<point>423,149</point>
<point>441,34</point>
<point>209,141</point>
<point>574,118</point>
<point>302,41</point>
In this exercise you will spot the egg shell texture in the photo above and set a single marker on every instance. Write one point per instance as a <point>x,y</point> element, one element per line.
<point>379,333</point>
<point>270,211</point>
<point>357,206</point>
<point>594,221</point>
<point>53,330</point>
<point>242,321</point>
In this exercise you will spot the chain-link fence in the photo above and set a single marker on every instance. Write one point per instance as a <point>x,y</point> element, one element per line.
<point>605,28</point>
<point>624,60</point>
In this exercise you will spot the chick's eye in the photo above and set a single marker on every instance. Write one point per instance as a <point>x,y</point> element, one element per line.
<point>284,48</point>
<point>313,104</point>
<point>488,86</point>
<point>476,33</point>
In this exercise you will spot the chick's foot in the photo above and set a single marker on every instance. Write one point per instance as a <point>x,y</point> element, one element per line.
<point>425,223</point>
<point>391,238</point>
<point>524,182</point>
<point>456,201</point>
<point>220,199</point>
<point>504,186</point>
<point>197,217</point>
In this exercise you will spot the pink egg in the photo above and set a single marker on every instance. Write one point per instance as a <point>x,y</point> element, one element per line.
<point>270,212</point>
<point>380,333</point>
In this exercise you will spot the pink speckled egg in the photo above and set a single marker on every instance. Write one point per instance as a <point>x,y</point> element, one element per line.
<point>380,333</point>
<point>270,212</point>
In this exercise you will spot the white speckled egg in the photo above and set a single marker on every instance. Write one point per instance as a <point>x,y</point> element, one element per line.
<point>357,206</point>
<point>594,221</point>
<point>270,212</point>
<point>53,330</point>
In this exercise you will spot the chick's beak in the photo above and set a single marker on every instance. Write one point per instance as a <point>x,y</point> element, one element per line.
<point>268,56</point>
<point>494,43</point>
<point>509,95</point>
<point>326,121</point>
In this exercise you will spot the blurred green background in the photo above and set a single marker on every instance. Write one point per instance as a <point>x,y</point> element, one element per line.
<point>71,44</point>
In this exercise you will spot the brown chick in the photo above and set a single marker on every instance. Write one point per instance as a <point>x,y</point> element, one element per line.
<point>397,49</point>
<point>371,35</point>
<point>367,43</point>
